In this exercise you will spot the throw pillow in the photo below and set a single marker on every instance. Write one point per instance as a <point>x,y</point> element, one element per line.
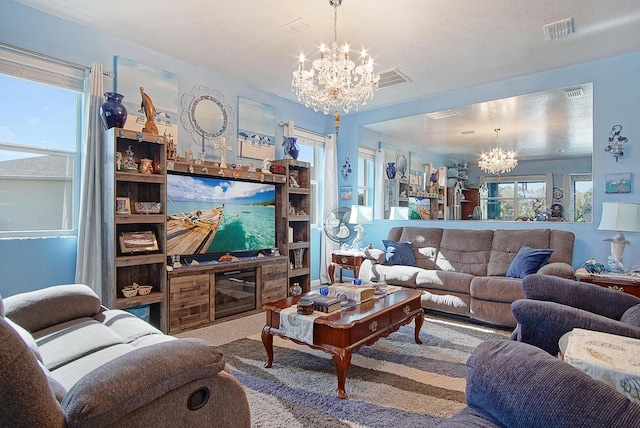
<point>399,253</point>
<point>528,261</point>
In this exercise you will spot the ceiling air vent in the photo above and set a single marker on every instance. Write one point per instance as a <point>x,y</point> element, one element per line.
<point>391,78</point>
<point>296,27</point>
<point>442,114</point>
<point>573,93</point>
<point>558,30</point>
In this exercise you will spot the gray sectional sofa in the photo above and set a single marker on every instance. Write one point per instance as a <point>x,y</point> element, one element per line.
<point>66,361</point>
<point>463,272</point>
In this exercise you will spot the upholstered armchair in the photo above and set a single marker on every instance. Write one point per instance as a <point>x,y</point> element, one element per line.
<point>554,306</point>
<point>513,384</point>
<point>65,361</point>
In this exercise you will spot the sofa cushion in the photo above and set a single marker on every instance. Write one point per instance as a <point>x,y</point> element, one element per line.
<point>444,280</point>
<point>27,338</point>
<point>395,275</point>
<point>561,241</point>
<point>507,243</point>
<point>560,269</point>
<point>375,254</point>
<point>632,316</point>
<point>465,251</point>
<point>399,253</point>
<point>496,289</point>
<point>528,261</point>
<point>426,243</point>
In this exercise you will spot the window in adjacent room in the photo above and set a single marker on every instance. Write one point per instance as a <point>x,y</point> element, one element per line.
<point>365,176</point>
<point>312,150</point>
<point>581,200</point>
<point>40,122</point>
<point>513,198</point>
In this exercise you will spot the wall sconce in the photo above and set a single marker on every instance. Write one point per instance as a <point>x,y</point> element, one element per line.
<point>346,168</point>
<point>616,142</point>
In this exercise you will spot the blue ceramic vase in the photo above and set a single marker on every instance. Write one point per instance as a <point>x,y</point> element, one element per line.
<point>292,148</point>
<point>112,111</point>
<point>391,170</point>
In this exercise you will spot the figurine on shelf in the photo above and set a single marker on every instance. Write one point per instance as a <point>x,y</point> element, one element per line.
<point>172,152</point>
<point>266,166</point>
<point>149,112</point>
<point>292,181</point>
<point>222,145</point>
<point>129,164</point>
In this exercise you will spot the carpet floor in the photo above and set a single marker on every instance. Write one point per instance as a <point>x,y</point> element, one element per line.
<point>395,382</point>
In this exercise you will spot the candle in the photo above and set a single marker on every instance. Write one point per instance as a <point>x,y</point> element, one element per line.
<point>203,143</point>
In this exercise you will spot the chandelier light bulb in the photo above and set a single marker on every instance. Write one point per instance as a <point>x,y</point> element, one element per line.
<point>333,80</point>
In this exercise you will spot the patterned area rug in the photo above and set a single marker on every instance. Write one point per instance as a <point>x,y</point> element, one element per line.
<point>395,382</point>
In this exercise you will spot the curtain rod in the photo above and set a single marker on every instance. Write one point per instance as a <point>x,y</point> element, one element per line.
<point>51,58</point>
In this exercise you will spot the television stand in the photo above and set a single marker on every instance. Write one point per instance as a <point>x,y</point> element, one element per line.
<point>200,294</point>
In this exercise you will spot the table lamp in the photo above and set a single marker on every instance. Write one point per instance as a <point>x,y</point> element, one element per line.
<point>360,214</point>
<point>619,217</point>
<point>399,213</point>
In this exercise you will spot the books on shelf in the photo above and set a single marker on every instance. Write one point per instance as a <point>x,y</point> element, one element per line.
<point>325,303</point>
<point>355,292</point>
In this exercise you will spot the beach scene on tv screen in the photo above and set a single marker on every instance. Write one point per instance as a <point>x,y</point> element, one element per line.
<point>215,215</point>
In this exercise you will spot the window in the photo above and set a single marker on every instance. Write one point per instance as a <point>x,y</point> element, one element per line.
<point>511,198</point>
<point>40,121</point>
<point>581,200</point>
<point>312,151</point>
<point>365,176</point>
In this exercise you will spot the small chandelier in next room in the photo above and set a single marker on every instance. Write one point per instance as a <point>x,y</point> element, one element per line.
<point>498,161</point>
<point>335,81</point>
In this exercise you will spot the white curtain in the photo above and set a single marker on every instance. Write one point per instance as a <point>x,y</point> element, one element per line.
<point>329,203</point>
<point>89,257</point>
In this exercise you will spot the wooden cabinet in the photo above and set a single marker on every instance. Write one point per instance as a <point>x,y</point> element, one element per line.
<point>197,293</point>
<point>133,242</point>
<point>293,221</point>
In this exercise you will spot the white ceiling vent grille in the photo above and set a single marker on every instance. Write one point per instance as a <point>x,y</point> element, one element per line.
<point>442,114</point>
<point>573,93</point>
<point>558,30</point>
<point>392,77</point>
<point>296,27</point>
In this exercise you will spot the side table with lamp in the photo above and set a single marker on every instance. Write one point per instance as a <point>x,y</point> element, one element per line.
<point>351,258</point>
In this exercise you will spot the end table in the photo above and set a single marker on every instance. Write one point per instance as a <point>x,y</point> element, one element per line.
<point>341,259</point>
<point>624,283</point>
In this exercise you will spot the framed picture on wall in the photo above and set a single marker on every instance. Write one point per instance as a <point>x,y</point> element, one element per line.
<point>346,193</point>
<point>618,183</point>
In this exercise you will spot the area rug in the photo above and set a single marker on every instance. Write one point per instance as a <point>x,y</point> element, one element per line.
<point>395,382</point>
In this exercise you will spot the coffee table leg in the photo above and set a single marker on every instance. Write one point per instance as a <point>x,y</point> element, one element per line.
<point>419,319</point>
<point>267,341</point>
<point>341,360</point>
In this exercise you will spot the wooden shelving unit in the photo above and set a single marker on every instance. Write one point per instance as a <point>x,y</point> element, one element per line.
<point>293,227</point>
<point>123,268</point>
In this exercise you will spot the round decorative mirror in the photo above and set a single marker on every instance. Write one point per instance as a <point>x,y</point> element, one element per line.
<point>206,114</point>
<point>401,164</point>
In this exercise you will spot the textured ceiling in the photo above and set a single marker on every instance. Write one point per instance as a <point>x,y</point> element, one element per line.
<point>440,45</point>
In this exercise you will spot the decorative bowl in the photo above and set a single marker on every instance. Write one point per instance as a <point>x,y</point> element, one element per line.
<point>143,290</point>
<point>305,307</point>
<point>594,267</point>
<point>148,207</point>
<point>129,291</point>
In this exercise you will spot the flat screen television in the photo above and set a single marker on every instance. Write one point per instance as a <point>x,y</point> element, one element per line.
<point>209,215</point>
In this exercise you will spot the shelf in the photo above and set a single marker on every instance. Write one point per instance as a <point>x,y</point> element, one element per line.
<point>299,272</point>
<point>130,302</point>
<point>140,259</point>
<point>140,178</point>
<point>299,191</point>
<point>300,244</point>
<point>140,218</point>
<point>212,169</point>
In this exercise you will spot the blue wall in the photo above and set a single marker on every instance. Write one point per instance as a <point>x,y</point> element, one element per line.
<point>36,263</point>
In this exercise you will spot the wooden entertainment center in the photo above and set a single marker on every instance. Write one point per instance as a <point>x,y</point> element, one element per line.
<point>186,297</point>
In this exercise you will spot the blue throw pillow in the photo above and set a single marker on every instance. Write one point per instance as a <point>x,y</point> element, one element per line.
<point>528,261</point>
<point>399,253</point>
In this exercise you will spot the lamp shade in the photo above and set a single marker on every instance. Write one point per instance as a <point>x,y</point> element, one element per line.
<point>620,217</point>
<point>399,213</point>
<point>361,214</point>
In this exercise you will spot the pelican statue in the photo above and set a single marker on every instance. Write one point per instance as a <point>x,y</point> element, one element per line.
<point>359,235</point>
<point>618,242</point>
<point>149,112</point>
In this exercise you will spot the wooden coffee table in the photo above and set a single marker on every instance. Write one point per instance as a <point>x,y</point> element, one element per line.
<point>348,330</point>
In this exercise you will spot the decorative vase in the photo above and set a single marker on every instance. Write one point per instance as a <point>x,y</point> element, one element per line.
<point>292,148</point>
<point>112,111</point>
<point>391,170</point>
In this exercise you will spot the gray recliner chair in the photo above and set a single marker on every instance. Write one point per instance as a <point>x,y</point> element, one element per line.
<point>554,306</point>
<point>65,361</point>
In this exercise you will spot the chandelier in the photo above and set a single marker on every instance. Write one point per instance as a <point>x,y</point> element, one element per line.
<point>334,80</point>
<point>498,161</point>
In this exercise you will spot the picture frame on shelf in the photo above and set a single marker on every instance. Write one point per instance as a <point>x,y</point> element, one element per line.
<point>138,242</point>
<point>123,205</point>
